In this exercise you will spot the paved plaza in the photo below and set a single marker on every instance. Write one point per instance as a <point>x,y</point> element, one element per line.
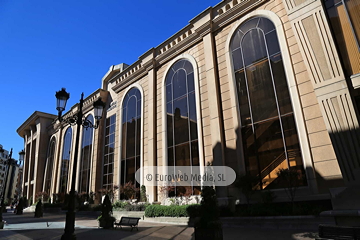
<point>51,227</point>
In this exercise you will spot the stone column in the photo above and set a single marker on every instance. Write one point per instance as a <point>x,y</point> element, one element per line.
<point>216,125</point>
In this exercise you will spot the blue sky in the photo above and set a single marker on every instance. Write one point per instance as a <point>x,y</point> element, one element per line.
<point>47,45</point>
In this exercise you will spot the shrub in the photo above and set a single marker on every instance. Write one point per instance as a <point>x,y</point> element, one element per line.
<point>120,204</point>
<point>129,190</point>
<point>170,211</point>
<point>143,197</point>
<point>136,207</point>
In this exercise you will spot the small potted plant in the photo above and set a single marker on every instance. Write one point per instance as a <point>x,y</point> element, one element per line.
<point>106,220</point>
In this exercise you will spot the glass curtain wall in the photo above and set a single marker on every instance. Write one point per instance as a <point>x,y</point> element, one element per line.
<point>85,162</point>
<point>108,169</point>
<point>65,161</point>
<point>49,166</point>
<point>182,134</point>
<point>270,139</point>
<point>130,140</point>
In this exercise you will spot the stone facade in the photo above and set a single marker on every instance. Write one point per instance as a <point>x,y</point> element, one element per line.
<point>321,96</point>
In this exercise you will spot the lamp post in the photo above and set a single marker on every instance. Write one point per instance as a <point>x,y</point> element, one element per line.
<point>78,119</point>
<point>9,162</point>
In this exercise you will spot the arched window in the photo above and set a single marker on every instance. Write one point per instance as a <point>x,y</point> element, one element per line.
<point>85,160</point>
<point>269,135</point>
<point>131,134</point>
<point>65,161</point>
<point>49,166</point>
<point>182,134</point>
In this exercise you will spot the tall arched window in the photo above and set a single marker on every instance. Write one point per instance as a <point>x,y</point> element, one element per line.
<point>269,135</point>
<point>85,160</point>
<point>49,166</point>
<point>65,161</point>
<point>182,134</point>
<point>131,133</point>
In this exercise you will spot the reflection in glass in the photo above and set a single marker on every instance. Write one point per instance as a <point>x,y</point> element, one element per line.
<point>182,137</point>
<point>131,133</point>
<point>49,167</point>
<point>109,152</point>
<point>85,160</point>
<point>65,161</point>
<point>270,140</point>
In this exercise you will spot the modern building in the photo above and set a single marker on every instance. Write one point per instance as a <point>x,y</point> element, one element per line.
<point>256,85</point>
<point>9,176</point>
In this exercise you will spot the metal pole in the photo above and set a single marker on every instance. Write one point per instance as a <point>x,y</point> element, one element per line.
<point>70,215</point>
<point>4,187</point>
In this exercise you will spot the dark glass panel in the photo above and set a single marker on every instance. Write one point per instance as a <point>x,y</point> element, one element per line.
<point>192,116</point>
<point>137,94</point>
<point>179,83</point>
<point>181,126</point>
<point>106,159</point>
<point>195,153</point>
<point>170,156</point>
<point>237,59</point>
<point>130,170</point>
<point>131,109</point>
<point>168,93</point>
<point>107,121</point>
<point>250,153</point>
<point>188,67</point>
<point>179,64</point>
<point>138,109</point>
<point>272,43</point>
<point>111,158</point>
<point>182,155</point>
<point>262,97</point>
<point>169,76</point>
<point>292,140</point>
<point>270,145</point>
<point>190,82</point>
<point>282,89</point>
<point>138,133</point>
<point>110,179</point>
<point>130,139</point>
<point>107,130</point>
<point>243,98</point>
<point>123,142</point>
<point>110,168</point>
<point>112,138</point>
<point>266,25</point>
<point>122,176</point>
<point>113,119</point>
<point>252,23</point>
<point>170,117</point>
<point>106,150</point>
<point>112,128</point>
<point>111,148</point>
<point>253,47</point>
<point>107,139</point>
<point>235,41</point>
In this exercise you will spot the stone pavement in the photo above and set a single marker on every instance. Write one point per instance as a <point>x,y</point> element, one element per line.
<point>51,226</point>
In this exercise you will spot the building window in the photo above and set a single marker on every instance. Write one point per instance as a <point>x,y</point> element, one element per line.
<point>85,160</point>
<point>182,134</point>
<point>108,170</point>
<point>49,166</point>
<point>270,139</point>
<point>345,22</point>
<point>65,161</point>
<point>130,140</point>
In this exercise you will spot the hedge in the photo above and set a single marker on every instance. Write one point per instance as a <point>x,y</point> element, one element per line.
<point>171,211</point>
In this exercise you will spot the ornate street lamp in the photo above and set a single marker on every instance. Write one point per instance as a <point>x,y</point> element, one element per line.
<point>78,119</point>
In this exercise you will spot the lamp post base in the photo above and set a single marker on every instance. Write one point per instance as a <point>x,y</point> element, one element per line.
<point>69,227</point>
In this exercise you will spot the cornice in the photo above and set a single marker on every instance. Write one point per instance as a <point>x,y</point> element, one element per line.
<point>210,20</point>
